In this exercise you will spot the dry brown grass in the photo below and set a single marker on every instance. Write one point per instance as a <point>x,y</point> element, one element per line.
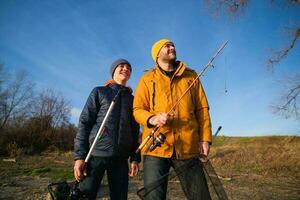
<point>276,155</point>
<point>251,167</point>
<point>259,167</point>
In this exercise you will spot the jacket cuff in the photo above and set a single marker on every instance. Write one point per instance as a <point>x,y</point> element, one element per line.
<point>135,157</point>
<point>206,137</point>
<point>148,123</point>
<point>79,156</point>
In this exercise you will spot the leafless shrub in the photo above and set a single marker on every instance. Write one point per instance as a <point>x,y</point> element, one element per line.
<point>14,150</point>
<point>30,122</point>
<point>53,106</point>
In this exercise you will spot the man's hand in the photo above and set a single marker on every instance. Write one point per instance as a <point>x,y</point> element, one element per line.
<point>159,119</point>
<point>204,148</point>
<point>79,169</point>
<point>134,168</point>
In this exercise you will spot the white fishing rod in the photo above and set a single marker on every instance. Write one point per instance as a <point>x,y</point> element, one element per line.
<point>101,129</point>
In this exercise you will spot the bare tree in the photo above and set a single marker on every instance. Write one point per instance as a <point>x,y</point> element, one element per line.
<point>31,122</point>
<point>281,54</point>
<point>288,106</point>
<point>16,95</point>
<point>289,103</point>
<point>2,80</point>
<point>237,6</point>
<point>231,7</point>
<point>52,106</point>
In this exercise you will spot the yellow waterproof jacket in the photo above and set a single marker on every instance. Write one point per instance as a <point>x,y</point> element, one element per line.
<point>190,124</point>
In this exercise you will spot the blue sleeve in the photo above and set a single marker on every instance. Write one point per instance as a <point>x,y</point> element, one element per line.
<point>136,131</point>
<point>86,122</point>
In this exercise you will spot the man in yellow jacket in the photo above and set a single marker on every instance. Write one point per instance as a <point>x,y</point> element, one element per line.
<point>187,129</point>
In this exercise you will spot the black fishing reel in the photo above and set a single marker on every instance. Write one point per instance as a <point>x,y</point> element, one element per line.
<point>75,193</point>
<point>157,141</point>
<point>65,191</point>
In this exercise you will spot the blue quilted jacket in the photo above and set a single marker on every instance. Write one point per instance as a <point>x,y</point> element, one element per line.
<point>120,135</point>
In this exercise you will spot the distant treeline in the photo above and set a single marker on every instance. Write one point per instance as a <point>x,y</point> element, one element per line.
<point>30,121</point>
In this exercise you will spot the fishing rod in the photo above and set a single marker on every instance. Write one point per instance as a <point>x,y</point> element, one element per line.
<point>161,138</point>
<point>101,129</point>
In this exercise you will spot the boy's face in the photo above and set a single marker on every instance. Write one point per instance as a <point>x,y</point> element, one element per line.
<point>122,72</point>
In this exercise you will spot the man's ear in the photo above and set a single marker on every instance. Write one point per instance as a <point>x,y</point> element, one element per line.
<point>158,55</point>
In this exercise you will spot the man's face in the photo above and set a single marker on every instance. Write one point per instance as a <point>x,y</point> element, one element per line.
<point>122,72</point>
<point>167,52</point>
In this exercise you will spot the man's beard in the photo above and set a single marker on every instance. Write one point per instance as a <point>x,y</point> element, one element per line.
<point>172,60</point>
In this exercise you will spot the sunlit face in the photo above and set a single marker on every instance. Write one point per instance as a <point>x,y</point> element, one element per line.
<point>122,73</point>
<point>167,52</point>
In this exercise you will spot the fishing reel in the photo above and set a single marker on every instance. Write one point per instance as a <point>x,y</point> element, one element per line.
<point>65,191</point>
<point>157,141</point>
<point>75,193</point>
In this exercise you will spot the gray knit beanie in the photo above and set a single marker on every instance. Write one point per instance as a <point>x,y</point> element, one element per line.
<point>115,64</point>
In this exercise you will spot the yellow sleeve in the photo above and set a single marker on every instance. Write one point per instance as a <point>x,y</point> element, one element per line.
<point>141,103</point>
<point>202,114</point>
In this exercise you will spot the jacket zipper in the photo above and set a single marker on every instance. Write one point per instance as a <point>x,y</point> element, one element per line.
<point>153,95</point>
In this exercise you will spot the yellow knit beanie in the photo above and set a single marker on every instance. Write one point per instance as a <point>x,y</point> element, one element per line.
<point>157,46</point>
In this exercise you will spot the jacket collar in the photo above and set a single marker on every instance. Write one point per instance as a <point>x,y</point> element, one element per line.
<point>180,69</point>
<point>112,84</point>
<point>181,66</point>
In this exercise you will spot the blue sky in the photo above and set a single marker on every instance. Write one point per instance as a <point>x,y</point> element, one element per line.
<point>69,46</point>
